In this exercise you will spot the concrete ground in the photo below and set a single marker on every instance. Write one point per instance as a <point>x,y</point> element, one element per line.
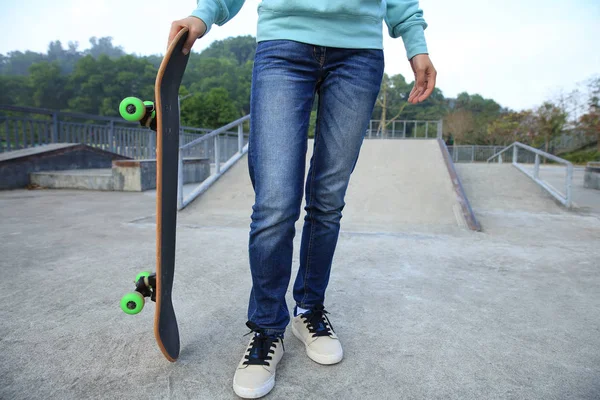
<point>424,311</point>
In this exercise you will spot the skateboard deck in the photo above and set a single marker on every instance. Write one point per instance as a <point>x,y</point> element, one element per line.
<point>163,117</point>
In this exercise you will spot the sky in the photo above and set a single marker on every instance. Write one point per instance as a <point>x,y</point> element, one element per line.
<point>517,52</point>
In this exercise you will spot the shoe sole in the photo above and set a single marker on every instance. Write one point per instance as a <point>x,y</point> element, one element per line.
<point>316,357</point>
<point>247,393</point>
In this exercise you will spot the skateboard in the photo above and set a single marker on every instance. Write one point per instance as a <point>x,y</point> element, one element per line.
<point>162,117</point>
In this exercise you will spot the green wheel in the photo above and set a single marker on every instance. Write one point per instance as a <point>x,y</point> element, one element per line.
<point>151,103</point>
<point>142,274</point>
<point>132,303</point>
<point>132,109</point>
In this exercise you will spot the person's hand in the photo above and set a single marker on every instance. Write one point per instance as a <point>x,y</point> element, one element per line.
<point>196,28</point>
<point>425,75</point>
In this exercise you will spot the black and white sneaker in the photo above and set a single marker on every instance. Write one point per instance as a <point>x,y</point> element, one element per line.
<point>314,329</point>
<point>255,374</point>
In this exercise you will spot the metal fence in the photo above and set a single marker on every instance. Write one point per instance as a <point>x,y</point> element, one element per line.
<point>31,127</point>
<point>565,197</point>
<point>405,129</point>
<point>569,142</point>
<point>475,154</point>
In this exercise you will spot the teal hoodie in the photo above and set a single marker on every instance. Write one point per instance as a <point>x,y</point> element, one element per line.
<point>333,23</point>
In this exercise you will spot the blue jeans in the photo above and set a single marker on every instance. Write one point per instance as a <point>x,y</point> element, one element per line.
<point>286,77</point>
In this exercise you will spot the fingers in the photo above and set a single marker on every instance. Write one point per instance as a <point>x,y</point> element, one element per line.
<point>420,86</point>
<point>175,28</point>
<point>187,46</point>
<point>196,28</point>
<point>430,85</point>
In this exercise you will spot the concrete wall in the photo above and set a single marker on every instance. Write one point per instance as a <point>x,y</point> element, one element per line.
<point>140,175</point>
<point>14,171</point>
<point>591,178</point>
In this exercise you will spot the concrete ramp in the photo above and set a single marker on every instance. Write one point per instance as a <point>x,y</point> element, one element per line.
<point>400,184</point>
<point>397,185</point>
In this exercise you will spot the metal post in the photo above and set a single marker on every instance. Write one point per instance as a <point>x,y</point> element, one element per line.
<point>427,129</point>
<point>472,154</point>
<point>370,128</point>
<point>515,155</point>
<point>7,136</point>
<point>180,180</point>
<point>240,138</point>
<point>394,129</point>
<point>55,135</point>
<point>568,184</point>
<point>440,129</point>
<point>404,130</point>
<point>217,166</point>
<point>536,170</point>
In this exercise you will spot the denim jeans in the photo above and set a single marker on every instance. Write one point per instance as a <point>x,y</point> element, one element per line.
<point>286,77</point>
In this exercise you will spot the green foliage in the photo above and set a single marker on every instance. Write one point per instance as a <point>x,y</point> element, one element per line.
<point>469,118</point>
<point>582,156</point>
<point>209,110</point>
<point>218,80</point>
<point>94,81</point>
<point>550,121</point>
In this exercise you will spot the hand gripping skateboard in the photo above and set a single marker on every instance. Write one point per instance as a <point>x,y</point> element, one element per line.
<point>163,117</point>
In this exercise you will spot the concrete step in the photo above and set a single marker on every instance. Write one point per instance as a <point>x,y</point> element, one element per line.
<point>125,175</point>
<point>91,179</point>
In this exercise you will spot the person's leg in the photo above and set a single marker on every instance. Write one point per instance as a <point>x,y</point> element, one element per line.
<point>346,100</point>
<point>283,86</point>
<point>347,96</point>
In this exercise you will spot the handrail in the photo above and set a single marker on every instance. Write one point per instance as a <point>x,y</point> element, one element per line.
<point>216,132</point>
<point>500,153</point>
<point>47,111</point>
<point>220,169</point>
<point>566,198</point>
<point>533,150</point>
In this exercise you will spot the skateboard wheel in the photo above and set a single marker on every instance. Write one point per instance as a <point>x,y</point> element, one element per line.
<point>142,274</point>
<point>132,109</point>
<point>149,103</point>
<point>132,303</point>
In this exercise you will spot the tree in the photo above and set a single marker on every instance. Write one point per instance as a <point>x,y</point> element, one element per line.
<point>590,121</point>
<point>209,110</point>
<point>550,121</point>
<point>512,127</point>
<point>104,46</point>
<point>48,87</point>
<point>460,124</point>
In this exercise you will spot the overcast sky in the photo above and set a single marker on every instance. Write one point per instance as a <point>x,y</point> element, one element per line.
<point>518,52</point>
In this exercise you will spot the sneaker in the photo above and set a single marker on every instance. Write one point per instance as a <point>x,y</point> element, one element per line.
<point>255,374</point>
<point>315,331</point>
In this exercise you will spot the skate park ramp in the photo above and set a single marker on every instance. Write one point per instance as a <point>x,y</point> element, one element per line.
<point>397,185</point>
<point>430,311</point>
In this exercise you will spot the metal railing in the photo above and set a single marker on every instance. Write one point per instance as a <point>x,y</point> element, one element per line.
<point>222,147</point>
<point>33,127</point>
<point>472,153</point>
<point>405,129</point>
<point>565,198</point>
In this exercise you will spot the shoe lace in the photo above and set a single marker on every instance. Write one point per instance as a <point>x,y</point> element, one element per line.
<point>261,347</point>
<point>317,322</point>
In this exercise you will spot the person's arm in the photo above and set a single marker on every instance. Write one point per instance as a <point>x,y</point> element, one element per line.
<point>405,19</point>
<point>206,14</point>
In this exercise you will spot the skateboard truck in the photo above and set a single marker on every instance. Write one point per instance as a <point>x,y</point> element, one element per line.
<point>134,109</point>
<point>145,284</point>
